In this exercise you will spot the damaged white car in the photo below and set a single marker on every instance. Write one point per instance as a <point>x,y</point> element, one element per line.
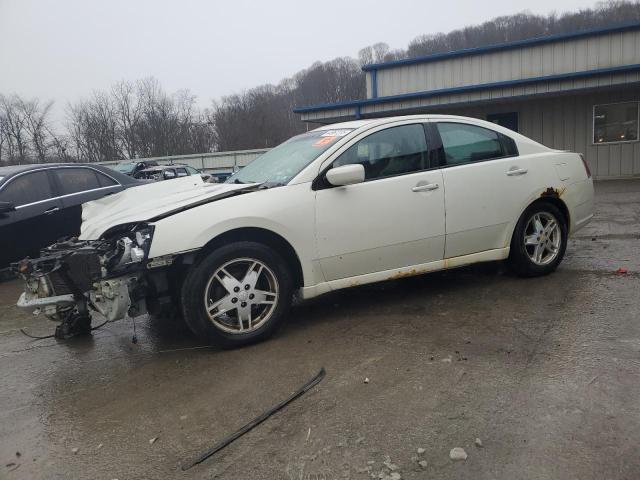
<point>339,206</point>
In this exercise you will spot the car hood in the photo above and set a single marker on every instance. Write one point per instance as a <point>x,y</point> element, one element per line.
<point>152,201</point>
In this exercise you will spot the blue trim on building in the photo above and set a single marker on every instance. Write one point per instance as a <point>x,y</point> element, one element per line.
<point>504,46</point>
<point>469,88</point>
<point>374,84</point>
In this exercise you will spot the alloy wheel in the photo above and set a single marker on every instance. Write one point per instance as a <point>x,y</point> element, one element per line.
<point>241,295</point>
<point>542,238</point>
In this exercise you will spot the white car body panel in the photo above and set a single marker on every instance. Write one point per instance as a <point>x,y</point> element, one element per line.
<point>370,231</point>
<point>381,225</point>
<point>147,201</point>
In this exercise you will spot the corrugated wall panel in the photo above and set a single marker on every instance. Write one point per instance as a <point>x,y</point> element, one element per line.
<point>567,56</point>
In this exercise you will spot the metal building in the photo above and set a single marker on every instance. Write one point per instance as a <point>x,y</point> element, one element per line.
<point>577,91</point>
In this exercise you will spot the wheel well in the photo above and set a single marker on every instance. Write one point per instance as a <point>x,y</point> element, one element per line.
<point>266,237</point>
<point>558,203</point>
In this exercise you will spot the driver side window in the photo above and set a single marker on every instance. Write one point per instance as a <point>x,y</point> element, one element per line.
<point>387,153</point>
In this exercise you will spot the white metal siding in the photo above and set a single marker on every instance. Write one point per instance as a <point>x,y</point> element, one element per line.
<point>567,56</point>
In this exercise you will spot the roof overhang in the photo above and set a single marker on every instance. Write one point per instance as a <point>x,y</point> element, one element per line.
<point>502,90</point>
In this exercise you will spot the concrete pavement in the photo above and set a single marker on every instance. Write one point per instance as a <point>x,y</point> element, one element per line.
<point>545,371</point>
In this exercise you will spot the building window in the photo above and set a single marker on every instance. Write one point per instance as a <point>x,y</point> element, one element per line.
<point>616,122</point>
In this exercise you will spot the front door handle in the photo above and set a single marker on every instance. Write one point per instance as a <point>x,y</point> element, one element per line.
<point>516,171</point>
<point>51,210</point>
<point>425,188</point>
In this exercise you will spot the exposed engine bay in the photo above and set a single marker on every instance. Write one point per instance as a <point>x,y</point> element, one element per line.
<point>73,278</point>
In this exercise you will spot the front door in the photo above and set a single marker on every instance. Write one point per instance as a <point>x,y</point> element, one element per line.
<point>394,219</point>
<point>33,224</point>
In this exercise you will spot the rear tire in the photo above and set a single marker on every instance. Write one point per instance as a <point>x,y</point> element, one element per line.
<point>539,240</point>
<point>237,295</point>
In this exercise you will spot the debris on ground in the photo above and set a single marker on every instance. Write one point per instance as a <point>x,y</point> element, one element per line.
<point>153,440</point>
<point>75,450</point>
<point>421,450</point>
<point>183,417</point>
<point>457,453</point>
<point>423,463</point>
<point>387,463</point>
<point>99,446</point>
<point>622,271</point>
<point>446,360</point>
<point>479,443</point>
<point>257,421</point>
<point>366,380</point>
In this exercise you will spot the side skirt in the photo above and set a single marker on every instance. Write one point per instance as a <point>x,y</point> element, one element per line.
<point>447,263</point>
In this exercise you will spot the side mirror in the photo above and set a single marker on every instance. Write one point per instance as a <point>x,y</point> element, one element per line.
<point>6,207</point>
<point>346,175</point>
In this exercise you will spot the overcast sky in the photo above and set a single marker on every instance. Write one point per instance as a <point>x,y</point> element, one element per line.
<point>64,49</point>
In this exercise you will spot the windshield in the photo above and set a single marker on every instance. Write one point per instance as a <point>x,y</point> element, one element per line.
<point>125,167</point>
<point>282,163</point>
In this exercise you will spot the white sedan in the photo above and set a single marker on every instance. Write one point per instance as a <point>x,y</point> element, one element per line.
<point>342,205</point>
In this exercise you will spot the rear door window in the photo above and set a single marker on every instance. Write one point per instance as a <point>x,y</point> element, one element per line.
<point>27,188</point>
<point>106,181</point>
<point>181,172</point>
<point>463,143</point>
<point>75,180</point>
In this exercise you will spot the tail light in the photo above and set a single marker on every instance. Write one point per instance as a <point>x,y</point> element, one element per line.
<point>586,166</point>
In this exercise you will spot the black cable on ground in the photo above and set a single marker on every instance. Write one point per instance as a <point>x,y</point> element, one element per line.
<point>51,336</point>
<point>256,421</point>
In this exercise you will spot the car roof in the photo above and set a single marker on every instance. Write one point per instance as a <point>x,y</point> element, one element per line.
<point>355,124</point>
<point>10,170</point>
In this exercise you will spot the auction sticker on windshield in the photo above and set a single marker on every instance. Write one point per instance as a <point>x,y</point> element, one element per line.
<point>336,133</point>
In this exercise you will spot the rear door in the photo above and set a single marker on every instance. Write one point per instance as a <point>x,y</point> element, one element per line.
<point>486,183</point>
<point>33,225</point>
<point>77,185</point>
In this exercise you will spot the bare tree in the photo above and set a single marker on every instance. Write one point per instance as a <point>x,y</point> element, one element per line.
<point>15,128</point>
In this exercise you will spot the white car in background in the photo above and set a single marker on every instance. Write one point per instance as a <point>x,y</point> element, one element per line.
<point>342,205</point>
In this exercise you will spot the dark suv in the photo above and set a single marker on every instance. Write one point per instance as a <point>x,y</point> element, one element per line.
<point>40,204</point>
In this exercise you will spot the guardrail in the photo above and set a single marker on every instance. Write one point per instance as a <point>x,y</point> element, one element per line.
<point>208,162</point>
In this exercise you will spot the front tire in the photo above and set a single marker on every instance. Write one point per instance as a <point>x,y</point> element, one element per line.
<point>237,295</point>
<point>539,240</point>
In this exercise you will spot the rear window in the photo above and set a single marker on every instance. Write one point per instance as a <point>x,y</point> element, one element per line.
<point>27,188</point>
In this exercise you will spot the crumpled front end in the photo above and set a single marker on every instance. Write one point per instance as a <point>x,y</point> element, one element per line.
<point>74,279</point>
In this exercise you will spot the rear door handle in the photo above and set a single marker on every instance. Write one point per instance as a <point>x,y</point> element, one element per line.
<point>51,210</point>
<point>425,188</point>
<point>516,171</point>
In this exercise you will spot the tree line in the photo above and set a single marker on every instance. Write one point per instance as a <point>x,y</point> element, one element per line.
<point>139,119</point>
